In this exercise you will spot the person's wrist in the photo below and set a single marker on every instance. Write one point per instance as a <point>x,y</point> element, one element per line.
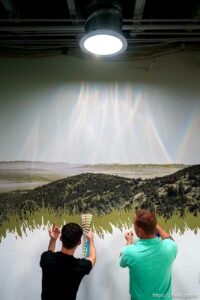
<point>158,228</point>
<point>129,241</point>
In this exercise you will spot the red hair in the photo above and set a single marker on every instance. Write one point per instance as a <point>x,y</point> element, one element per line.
<point>146,220</point>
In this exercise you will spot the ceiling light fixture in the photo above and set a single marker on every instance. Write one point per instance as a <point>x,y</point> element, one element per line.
<point>104,30</point>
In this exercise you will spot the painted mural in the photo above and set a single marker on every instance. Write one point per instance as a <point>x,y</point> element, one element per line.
<point>105,150</point>
<point>96,192</point>
<point>34,196</point>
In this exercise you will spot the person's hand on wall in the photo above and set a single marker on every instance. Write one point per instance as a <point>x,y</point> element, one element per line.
<point>129,237</point>
<point>54,232</point>
<point>89,235</point>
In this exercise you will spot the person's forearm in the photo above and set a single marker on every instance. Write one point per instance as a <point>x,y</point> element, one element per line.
<point>129,242</point>
<point>92,253</point>
<point>52,245</point>
<point>163,234</point>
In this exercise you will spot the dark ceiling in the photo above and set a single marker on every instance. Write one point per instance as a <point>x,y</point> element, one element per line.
<point>46,27</point>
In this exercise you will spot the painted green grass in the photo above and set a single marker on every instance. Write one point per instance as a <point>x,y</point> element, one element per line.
<point>101,225</point>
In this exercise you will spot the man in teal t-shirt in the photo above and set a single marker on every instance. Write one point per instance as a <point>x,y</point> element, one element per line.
<point>149,259</point>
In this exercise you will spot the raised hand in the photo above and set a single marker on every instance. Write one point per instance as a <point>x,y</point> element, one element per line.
<point>129,237</point>
<point>54,232</point>
<point>89,235</point>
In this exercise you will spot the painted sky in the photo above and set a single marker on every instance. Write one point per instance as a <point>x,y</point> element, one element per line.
<point>93,122</point>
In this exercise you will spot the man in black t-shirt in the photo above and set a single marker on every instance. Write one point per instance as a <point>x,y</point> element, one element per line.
<point>61,271</point>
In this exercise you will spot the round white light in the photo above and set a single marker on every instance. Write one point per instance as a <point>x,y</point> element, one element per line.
<point>103,42</point>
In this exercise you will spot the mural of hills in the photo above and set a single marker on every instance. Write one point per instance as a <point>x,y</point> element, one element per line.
<point>101,193</point>
<point>30,174</point>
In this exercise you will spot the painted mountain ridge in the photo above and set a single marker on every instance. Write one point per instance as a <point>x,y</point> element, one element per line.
<point>100,194</point>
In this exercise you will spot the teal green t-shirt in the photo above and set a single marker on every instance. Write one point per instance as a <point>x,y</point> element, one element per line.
<point>150,263</point>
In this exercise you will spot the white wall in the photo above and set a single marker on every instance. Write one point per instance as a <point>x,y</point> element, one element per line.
<point>80,111</point>
<point>20,276</point>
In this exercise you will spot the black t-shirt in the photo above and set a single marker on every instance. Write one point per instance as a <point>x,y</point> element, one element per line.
<point>62,274</point>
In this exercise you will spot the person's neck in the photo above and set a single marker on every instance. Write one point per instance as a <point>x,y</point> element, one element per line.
<point>147,237</point>
<point>68,251</point>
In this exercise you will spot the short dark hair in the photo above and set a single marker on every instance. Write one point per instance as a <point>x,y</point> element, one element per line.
<point>146,220</point>
<point>71,234</point>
